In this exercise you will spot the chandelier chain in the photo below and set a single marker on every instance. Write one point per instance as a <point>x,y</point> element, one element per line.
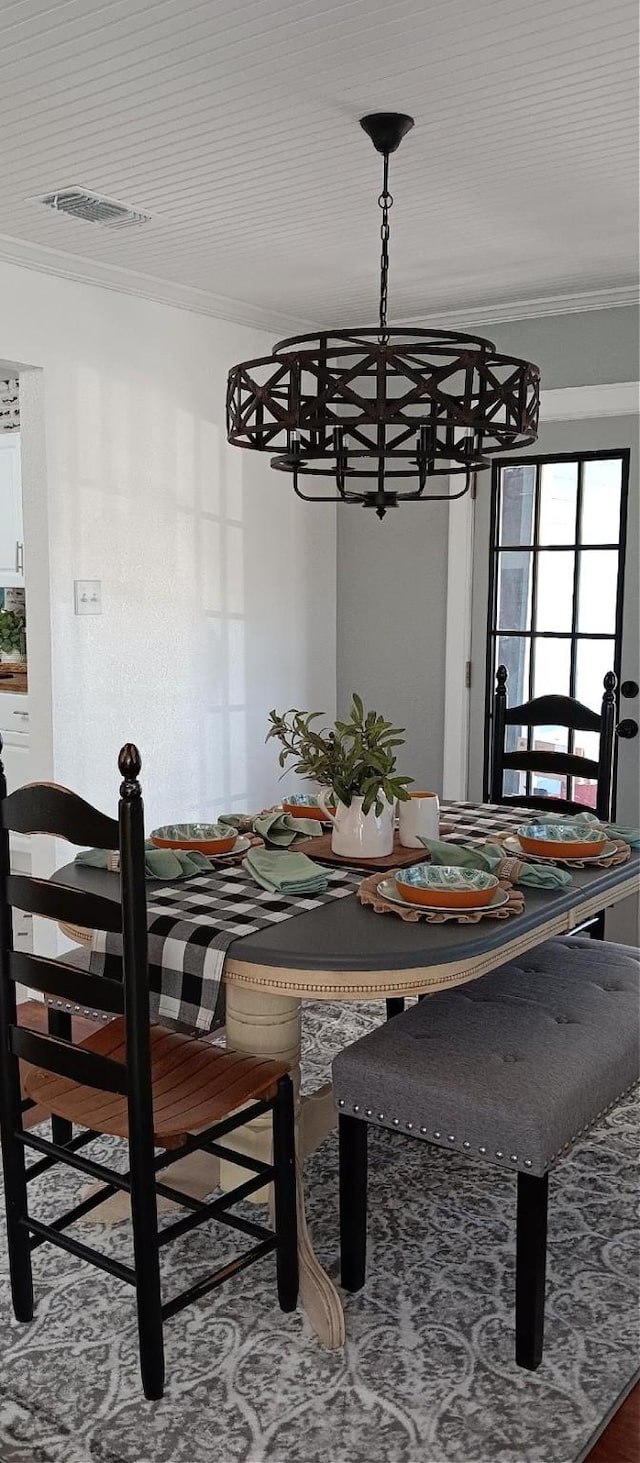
<point>385,202</point>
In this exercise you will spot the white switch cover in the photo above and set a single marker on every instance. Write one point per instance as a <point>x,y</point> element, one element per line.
<point>87,596</point>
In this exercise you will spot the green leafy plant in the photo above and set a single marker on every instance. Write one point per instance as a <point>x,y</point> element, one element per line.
<point>12,631</point>
<point>356,758</point>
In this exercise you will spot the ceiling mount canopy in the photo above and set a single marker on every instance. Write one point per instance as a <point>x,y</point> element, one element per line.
<point>382,410</point>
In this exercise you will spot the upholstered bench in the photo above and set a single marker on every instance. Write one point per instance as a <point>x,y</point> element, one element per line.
<point>510,1069</point>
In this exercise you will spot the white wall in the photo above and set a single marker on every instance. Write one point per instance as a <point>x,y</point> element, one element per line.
<point>392,602</point>
<point>218,586</point>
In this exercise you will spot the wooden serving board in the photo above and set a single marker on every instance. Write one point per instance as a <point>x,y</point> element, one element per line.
<point>401,858</point>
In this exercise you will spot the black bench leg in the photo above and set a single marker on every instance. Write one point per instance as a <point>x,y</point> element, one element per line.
<point>531,1258</point>
<point>59,1024</point>
<point>286,1227</point>
<point>352,1134</point>
<point>395,1006</point>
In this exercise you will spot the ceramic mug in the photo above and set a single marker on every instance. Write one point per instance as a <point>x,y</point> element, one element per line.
<point>419,817</point>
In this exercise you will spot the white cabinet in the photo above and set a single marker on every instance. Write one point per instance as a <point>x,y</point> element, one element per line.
<point>11,532</point>
<point>15,756</point>
<point>14,713</point>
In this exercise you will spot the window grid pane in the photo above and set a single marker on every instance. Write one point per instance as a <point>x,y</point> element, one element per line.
<point>558,502</point>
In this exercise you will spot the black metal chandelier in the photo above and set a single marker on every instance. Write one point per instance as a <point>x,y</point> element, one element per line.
<point>382,410</point>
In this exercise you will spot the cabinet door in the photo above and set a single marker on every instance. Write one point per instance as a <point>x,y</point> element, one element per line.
<point>11,535</point>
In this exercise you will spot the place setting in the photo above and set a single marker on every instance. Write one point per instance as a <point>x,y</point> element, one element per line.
<point>439,894</point>
<point>571,844</point>
<point>183,850</point>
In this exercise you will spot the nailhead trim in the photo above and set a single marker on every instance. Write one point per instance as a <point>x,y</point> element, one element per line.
<point>466,1145</point>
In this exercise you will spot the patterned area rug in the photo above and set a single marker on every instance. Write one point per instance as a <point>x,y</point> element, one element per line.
<point>427,1375</point>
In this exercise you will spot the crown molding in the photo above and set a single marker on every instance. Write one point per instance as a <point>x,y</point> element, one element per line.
<point>614,297</point>
<point>148,287</point>
<point>575,403</point>
<point>202,302</point>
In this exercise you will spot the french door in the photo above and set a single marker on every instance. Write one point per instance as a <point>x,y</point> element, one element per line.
<point>584,643</point>
<point>556,596</point>
<point>550,535</point>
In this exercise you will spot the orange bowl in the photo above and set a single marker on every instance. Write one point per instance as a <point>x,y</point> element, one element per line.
<point>304,810</point>
<point>453,888</point>
<point>562,848</point>
<point>194,837</point>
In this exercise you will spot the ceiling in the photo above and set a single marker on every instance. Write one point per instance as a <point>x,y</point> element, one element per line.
<point>235,125</point>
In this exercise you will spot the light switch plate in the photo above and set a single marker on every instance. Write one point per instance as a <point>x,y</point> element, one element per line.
<point>87,596</point>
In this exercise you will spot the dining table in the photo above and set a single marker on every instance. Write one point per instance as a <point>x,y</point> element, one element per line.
<point>344,952</point>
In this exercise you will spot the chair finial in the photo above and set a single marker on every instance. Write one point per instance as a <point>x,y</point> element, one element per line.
<point>129,764</point>
<point>610,682</point>
<point>502,676</point>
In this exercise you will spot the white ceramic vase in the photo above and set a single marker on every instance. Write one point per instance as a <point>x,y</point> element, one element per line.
<point>355,834</point>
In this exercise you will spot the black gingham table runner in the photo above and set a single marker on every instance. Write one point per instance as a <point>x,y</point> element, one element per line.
<point>479,822</point>
<point>191,925</point>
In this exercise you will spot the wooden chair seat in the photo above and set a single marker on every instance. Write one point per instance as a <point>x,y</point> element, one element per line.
<point>194,1085</point>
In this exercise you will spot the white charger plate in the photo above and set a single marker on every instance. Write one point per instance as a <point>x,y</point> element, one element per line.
<point>241,845</point>
<point>514,845</point>
<point>388,889</point>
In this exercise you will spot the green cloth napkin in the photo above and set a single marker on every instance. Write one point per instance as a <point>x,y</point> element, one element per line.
<point>283,830</point>
<point>536,876</point>
<point>242,822</point>
<point>160,863</point>
<point>612,830</point>
<point>283,872</point>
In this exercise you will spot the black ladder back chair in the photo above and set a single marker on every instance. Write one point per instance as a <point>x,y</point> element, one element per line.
<point>561,711</point>
<point>115,1081</point>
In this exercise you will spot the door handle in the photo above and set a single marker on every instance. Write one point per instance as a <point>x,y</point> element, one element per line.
<point>627,728</point>
<point>19,558</point>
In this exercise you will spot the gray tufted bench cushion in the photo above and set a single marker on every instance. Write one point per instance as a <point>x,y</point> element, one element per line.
<point>511,1068</point>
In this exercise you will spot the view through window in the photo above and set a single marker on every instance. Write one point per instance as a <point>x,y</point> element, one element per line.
<point>556,597</point>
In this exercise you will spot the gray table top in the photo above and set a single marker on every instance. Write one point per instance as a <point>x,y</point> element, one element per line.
<point>343,935</point>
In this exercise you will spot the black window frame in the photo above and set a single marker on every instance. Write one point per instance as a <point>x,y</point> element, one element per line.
<point>622,455</point>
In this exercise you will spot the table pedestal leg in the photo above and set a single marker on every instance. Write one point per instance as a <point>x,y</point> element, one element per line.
<point>270,1026</point>
<point>264,1026</point>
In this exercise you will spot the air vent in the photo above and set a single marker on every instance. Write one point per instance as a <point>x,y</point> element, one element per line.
<point>92,208</point>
